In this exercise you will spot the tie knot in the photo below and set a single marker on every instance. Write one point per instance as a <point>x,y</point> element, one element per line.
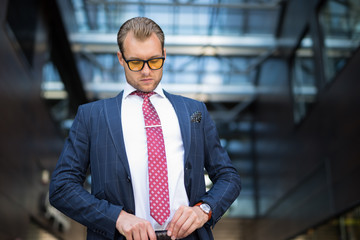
<point>143,94</point>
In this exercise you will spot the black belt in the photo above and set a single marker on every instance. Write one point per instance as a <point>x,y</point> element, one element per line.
<point>162,235</point>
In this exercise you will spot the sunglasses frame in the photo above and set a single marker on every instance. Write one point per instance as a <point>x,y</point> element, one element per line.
<point>144,61</point>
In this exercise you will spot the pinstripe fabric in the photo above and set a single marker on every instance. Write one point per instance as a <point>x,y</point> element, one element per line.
<point>96,142</point>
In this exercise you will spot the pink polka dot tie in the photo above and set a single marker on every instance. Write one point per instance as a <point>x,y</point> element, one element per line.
<point>157,167</point>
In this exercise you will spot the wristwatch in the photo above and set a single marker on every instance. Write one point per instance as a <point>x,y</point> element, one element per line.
<point>205,208</point>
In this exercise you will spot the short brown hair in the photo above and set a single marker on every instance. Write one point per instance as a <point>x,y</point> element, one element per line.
<point>142,28</point>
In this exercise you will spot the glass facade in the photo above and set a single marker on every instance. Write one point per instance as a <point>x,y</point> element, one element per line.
<point>340,23</point>
<point>340,28</point>
<point>303,81</point>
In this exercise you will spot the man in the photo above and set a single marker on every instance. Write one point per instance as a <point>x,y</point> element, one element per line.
<point>114,138</point>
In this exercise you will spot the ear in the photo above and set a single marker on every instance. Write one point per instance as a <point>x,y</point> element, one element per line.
<point>164,54</point>
<point>120,58</point>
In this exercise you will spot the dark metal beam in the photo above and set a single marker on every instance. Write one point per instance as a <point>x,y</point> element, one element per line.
<point>280,21</point>
<point>62,56</point>
<point>253,6</point>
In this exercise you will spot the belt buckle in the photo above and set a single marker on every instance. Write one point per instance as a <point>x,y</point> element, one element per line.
<point>162,235</point>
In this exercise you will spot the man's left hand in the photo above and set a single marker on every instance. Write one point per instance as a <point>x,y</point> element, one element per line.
<point>185,221</point>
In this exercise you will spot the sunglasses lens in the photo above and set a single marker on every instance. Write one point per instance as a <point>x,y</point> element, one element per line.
<point>136,65</point>
<point>156,63</point>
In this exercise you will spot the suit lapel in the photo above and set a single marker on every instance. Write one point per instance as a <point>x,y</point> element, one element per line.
<point>113,118</point>
<point>184,121</point>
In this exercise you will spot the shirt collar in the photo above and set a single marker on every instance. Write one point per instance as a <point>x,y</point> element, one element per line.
<point>128,89</point>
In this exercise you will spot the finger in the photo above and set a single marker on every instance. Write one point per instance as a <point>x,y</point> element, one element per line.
<point>128,235</point>
<point>185,227</point>
<point>136,235</point>
<point>151,233</point>
<point>143,234</point>
<point>189,231</point>
<point>173,221</point>
<point>179,223</point>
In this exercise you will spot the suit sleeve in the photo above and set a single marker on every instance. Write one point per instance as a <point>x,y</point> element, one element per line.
<point>66,188</point>
<point>225,178</point>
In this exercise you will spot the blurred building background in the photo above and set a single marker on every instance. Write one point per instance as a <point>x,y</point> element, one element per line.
<point>281,79</point>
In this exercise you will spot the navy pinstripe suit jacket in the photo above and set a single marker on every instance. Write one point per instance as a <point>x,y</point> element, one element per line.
<point>96,141</point>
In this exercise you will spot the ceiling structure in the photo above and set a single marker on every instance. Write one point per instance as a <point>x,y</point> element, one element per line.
<point>213,46</point>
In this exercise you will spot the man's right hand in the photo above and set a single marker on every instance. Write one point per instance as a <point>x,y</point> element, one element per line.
<point>134,228</point>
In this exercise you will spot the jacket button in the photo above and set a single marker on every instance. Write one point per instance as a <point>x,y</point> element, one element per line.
<point>128,179</point>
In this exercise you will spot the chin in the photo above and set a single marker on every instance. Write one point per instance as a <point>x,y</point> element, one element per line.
<point>148,88</point>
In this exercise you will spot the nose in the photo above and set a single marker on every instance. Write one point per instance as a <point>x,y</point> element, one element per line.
<point>146,70</point>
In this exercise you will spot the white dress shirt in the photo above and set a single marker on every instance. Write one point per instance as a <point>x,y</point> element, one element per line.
<point>136,150</point>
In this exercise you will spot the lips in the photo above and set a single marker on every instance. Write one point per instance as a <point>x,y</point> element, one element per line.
<point>146,79</point>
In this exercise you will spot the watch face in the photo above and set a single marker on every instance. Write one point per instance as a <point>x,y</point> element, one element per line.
<point>205,207</point>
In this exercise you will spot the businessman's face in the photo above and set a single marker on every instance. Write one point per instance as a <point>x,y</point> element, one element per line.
<point>146,79</point>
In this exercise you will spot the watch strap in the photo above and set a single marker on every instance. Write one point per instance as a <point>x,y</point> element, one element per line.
<point>209,214</point>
